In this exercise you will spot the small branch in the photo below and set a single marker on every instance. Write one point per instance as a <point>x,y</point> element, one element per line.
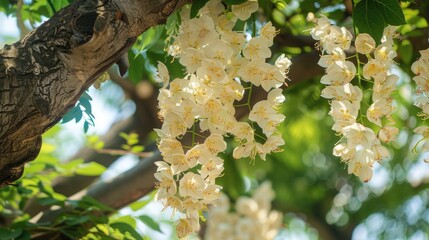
<point>21,26</point>
<point>125,84</point>
<point>124,152</point>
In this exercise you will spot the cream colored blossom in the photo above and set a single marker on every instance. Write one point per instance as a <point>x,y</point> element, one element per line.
<point>344,111</point>
<point>377,110</point>
<point>423,130</point>
<point>337,55</point>
<point>220,65</point>
<point>268,32</point>
<point>163,76</point>
<point>257,48</point>
<point>191,58</point>
<point>357,134</point>
<point>219,51</point>
<point>186,226</point>
<point>322,28</point>
<point>244,10</point>
<point>339,73</point>
<point>283,63</point>
<point>374,69</point>
<point>191,185</point>
<point>253,218</point>
<point>388,133</point>
<point>364,43</point>
<point>215,143</point>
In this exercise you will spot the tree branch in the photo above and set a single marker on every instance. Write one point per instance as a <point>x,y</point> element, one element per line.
<point>44,74</point>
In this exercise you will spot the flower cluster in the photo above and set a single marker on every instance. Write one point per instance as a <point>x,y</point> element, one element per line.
<point>221,65</point>
<point>421,69</point>
<point>253,218</point>
<point>360,146</point>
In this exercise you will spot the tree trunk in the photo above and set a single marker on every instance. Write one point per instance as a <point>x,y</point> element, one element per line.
<point>44,74</point>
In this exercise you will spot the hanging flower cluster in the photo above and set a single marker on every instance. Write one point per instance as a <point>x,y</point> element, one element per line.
<point>252,219</point>
<point>360,147</point>
<point>221,66</point>
<point>421,69</point>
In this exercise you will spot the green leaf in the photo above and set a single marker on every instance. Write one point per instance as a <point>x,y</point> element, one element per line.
<point>94,202</point>
<point>151,37</point>
<point>232,180</point>
<point>234,2</point>
<point>196,6</point>
<point>137,149</point>
<point>139,204</point>
<point>90,169</point>
<point>148,221</point>
<point>9,233</point>
<point>135,71</point>
<point>126,224</point>
<point>406,51</point>
<point>126,228</point>
<point>49,202</point>
<point>77,220</point>
<point>371,16</point>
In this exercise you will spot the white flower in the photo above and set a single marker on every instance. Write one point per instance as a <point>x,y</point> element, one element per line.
<point>234,39</point>
<point>339,73</point>
<point>337,54</point>
<point>268,31</point>
<point>253,71</point>
<point>385,53</point>
<point>346,92</point>
<point>211,193</point>
<point>357,134</point>
<point>191,185</point>
<point>243,130</point>
<point>212,168</point>
<point>322,28</point>
<point>163,76</point>
<point>266,116</point>
<point>374,69</point>
<point>384,88</point>
<point>212,71</point>
<point>344,111</point>
<point>273,78</point>
<point>423,130</point>
<point>276,96</point>
<point>283,64</point>
<point>364,43</point>
<point>215,143</point>
<point>257,48</point>
<point>173,125</point>
<point>244,10</point>
<point>191,59</point>
<point>377,110</point>
<point>199,153</point>
<point>219,50</point>
<point>186,226</point>
<point>389,33</point>
<point>365,173</point>
<point>388,134</point>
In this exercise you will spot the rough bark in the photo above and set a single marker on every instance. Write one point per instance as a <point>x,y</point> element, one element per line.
<point>44,74</point>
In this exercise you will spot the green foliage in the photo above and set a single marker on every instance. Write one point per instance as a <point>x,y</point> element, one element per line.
<point>371,16</point>
<point>148,221</point>
<point>81,111</point>
<point>132,142</point>
<point>196,6</point>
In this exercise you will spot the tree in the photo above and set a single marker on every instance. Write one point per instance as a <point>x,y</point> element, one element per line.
<point>70,51</point>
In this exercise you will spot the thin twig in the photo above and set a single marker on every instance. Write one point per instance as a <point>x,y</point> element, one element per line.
<point>124,152</point>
